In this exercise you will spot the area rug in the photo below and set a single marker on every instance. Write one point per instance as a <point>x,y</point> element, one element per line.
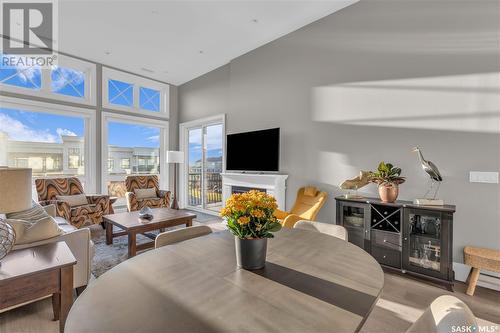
<point>108,256</point>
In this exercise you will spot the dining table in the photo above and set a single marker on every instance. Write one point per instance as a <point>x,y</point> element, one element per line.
<point>311,282</point>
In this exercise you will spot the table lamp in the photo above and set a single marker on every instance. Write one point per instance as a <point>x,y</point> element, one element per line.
<point>15,196</point>
<point>175,157</point>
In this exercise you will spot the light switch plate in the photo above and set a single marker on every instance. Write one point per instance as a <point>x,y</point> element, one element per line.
<point>483,177</point>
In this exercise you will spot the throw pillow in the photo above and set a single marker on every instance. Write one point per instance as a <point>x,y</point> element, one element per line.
<point>33,231</point>
<point>145,193</point>
<point>35,213</point>
<point>73,200</point>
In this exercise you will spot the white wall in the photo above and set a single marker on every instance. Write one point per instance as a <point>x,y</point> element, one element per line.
<point>367,84</point>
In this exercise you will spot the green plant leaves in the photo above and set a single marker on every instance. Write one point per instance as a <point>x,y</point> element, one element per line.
<point>274,227</point>
<point>387,174</point>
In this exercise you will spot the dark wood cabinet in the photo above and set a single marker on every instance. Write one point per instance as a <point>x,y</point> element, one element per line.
<point>402,236</point>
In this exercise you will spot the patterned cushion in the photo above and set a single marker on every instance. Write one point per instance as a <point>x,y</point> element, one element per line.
<point>35,213</point>
<point>150,202</point>
<point>83,210</point>
<point>73,200</point>
<point>145,193</point>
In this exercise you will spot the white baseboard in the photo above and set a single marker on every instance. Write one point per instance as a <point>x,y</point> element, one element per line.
<point>462,271</point>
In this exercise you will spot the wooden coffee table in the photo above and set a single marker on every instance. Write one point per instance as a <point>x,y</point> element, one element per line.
<point>132,225</point>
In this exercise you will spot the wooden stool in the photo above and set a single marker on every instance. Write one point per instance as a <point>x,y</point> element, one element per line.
<point>480,258</point>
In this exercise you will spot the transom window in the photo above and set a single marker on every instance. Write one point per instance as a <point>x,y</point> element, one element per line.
<point>149,99</point>
<point>20,76</point>
<point>120,93</point>
<point>71,80</point>
<point>134,94</point>
<point>67,81</point>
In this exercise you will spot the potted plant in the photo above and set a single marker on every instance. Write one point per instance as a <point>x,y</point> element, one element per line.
<point>250,218</point>
<point>388,177</point>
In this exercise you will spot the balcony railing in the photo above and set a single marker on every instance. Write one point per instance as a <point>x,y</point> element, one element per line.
<point>213,188</point>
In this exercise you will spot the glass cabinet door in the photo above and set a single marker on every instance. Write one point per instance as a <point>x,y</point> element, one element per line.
<point>424,248</point>
<point>353,217</point>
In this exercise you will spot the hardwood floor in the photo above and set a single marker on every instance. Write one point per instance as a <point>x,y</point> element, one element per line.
<point>401,303</point>
<point>404,299</point>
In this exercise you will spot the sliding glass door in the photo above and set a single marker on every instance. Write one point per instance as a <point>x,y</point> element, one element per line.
<point>202,174</point>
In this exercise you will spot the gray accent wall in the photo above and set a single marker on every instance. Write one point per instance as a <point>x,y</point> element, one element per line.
<point>367,84</point>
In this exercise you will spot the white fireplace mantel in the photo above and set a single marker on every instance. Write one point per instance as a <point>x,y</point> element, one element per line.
<point>274,184</point>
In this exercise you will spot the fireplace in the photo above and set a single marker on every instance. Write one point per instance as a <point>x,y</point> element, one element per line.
<point>273,184</point>
<point>243,189</point>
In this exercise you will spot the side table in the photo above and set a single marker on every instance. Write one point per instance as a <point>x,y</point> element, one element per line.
<point>30,274</point>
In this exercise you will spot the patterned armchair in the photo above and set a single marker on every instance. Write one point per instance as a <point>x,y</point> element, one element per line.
<point>132,183</point>
<point>92,212</point>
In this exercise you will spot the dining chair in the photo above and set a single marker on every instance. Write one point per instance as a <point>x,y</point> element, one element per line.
<point>179,235</point>
<point>445,313</point>
<point>325,228</point>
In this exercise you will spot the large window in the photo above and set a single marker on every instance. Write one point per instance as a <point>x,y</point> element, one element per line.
<point>71,80</point>
<point>133,94</point>
<point>46,138</point>
<point>55,139</point>
<point>138,145</point>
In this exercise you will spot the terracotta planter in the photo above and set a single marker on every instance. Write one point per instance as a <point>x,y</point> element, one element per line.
<point>388,193</point>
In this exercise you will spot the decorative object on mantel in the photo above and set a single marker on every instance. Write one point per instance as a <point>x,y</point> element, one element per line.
<point>354,184</point>
<point>388,177</point>
<point>175,157</point>
<point>250,217</point>
<point>15,191</point>
<point>435,176</point>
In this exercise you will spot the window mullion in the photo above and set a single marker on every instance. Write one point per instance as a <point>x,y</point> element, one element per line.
<point>46,81</point>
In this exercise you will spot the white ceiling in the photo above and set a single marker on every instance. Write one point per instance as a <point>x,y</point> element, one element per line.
<point>179,40</point>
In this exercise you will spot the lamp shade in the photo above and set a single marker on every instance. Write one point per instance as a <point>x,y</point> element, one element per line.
<point>15,190</point>
<point>175,156</point>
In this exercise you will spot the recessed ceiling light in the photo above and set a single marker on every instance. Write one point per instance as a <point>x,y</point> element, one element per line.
<point>107,52</point>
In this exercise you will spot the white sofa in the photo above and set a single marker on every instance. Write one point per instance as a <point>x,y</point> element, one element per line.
<point>78,241</point>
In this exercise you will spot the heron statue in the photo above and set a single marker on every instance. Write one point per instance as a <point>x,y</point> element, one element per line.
<point>432,170</point>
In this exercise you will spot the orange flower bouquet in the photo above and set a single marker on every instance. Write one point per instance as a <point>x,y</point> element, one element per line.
<point>250,218</point>
<point>250,215</point>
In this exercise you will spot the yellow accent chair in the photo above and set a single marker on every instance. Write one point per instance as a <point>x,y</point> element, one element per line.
<point>307,205</point>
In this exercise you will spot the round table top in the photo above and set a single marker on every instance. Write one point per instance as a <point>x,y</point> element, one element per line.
<point>311,282</point>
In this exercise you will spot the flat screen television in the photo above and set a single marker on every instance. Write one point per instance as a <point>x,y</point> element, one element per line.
<point>253,151</point>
